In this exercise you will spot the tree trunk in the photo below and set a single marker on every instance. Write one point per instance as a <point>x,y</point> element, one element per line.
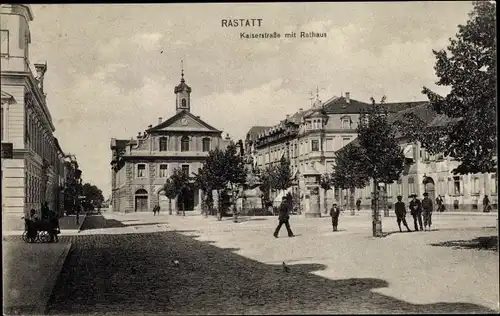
<point>219,210</point>
<point>376,220</point>
<point>325,201</point>
<point>169,206</point>
<point>353,210</point>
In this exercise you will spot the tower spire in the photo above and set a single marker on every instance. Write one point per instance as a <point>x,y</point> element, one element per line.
<point>311,97</point>
<point>317,93</point>
<point>182,71</point>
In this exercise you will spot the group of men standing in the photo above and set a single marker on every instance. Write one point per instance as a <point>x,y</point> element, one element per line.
<point>420,210</point>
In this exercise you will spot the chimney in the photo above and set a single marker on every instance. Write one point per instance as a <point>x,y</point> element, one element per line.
<point>160,119</point>
<point>347,97</point>
<point>288,116</point>
<point>301,109</point>
<point>139,135</point>
<point>41,69</point>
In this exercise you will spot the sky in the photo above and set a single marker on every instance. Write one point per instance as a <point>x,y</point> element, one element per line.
<point>112,68</point>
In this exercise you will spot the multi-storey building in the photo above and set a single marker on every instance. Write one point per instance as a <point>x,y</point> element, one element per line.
<point>309,139</point>
<point>32,176</point>
<point>141,166</point>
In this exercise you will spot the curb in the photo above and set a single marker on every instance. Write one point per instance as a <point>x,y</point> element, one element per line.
<point>42,305</point>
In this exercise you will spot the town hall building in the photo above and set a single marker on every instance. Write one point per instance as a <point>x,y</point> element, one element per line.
<point>141,166</point>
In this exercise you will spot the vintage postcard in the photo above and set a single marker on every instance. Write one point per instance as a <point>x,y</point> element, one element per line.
<point>249,158</point>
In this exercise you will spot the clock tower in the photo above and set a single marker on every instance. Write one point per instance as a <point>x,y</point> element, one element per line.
<point>183,92</point>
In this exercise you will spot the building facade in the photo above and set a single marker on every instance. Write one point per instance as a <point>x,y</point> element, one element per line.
<point>309,139</point>
<point>33,175</point>
<point>141,166</point>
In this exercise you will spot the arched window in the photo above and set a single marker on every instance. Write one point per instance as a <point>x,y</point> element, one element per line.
<point>183,103</point>
<point>185,143</point>
<point>141,192</point>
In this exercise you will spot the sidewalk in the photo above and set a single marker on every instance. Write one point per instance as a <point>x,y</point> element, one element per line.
<point>30,273</point>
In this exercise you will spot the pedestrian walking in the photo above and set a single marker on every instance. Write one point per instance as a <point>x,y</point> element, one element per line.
<point>486,204</point>
<point>416,212</point>
<point>55,229</point>
<point>334,213</point>
<point>155,209</point>
<point>32,226</point>
<point>439,204</point>
<point>284,217</point>
<point>427,208</point>
<point>358,205</point>
<point>400,210</point>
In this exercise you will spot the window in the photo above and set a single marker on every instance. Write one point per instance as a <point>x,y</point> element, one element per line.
<point>183,103</point>
<point>315,145</point>
<point>206,144</point>
<point>345,141</point>
<point>2,123</point>
<point>141,170</point>
<point>475,185</point>
<point>163,171</point>
<point>346,123</point>
<point>494,184</point>
<point>185,169</point>
<point>399,187</point>
<point>4,35</point>
<point>457,185</point>
<point>411,186</point>
<point>185,143</point>
<point>163,144</point>
<point>329,144</point>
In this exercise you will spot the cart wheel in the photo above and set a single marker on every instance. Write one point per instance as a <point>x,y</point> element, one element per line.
<point>25,236</point>
<point>44,236</point>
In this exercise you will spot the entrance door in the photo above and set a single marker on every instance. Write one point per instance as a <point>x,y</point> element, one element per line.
<point>141,203</point>
<point>430,188</point>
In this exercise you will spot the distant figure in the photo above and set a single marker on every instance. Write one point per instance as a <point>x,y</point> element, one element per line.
<point>54,224</point>
<point>155,209</point>
<point>486,204</point>
<point>31,226</point>
<point>284,217</point>
<point>439,203</point>
<point>45,210</point>
<point>358,205</point>
<point>400,210</point>
<point>334,213</point>
<point>416,212</point>
<point>427,208</point>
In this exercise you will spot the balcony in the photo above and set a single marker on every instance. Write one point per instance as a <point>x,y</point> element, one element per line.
<point>168,153</point>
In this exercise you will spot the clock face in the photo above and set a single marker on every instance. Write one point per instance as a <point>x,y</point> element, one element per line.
<point>184,121</point>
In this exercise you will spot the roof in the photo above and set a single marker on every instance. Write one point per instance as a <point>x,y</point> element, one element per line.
<point>119,143</point>
<point>182,86</point>
<point>58,146</point>
<point>176,116</point>
<point>6,95</point>
<point>254,132</point>
<point>339,105</point>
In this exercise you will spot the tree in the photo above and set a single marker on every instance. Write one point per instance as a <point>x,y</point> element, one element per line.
<point>170,192</point>
<point>283,174</point>
<point>383,158</point>
<point>469,135</point>
<point>223,169</point>
<point>93,195</point>
<point>180,183</point>
<point>350,168</point>
<point>325,182</point>
<point>268,182</point>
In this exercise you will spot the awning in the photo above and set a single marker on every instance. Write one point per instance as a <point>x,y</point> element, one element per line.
<point>408,152</point>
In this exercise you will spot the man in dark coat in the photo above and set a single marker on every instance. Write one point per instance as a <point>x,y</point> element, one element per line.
<point>416,212</point>
<point>284,217</point>
<point>334,213</point>
<point>427,211</point>
<point>400,210</point>
<point>358,205</point>
<point>486,204</point>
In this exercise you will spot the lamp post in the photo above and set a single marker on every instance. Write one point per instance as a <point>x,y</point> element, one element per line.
<point>376,220</point>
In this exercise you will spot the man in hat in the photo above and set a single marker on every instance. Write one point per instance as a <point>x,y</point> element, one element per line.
<point>400,210</point>
<point>427,211</point>
<point>284,217</point>
<point>334,213</point>
<point>416,212</point>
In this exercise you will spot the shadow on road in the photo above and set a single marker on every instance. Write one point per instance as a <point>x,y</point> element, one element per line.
<point>169,273</point>
<point>480,243</point>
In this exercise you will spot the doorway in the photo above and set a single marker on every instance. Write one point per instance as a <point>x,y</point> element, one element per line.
<point>186,200</point>
<point>430,188</point>
<point>141,200</point>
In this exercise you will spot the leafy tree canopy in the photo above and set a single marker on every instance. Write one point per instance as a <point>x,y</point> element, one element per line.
<point>468,67</point>
<point>93,194</point>
<point>350,168</point>
<point>283,174</point>
<point>170,189</point>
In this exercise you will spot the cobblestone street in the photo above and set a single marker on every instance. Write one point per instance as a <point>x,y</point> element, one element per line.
<point>123,265</point>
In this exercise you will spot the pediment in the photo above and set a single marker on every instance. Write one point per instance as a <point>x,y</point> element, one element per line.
<point>184,121</point>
